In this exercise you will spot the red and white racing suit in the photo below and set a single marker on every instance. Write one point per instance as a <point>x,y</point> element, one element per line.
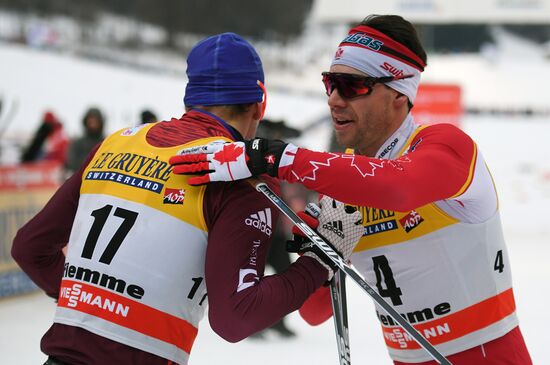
<point>433,243</point>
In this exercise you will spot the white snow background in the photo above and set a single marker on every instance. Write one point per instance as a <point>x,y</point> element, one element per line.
<point>516,150</point>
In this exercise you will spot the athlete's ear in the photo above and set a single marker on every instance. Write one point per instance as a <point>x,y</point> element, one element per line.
<point>258,111</point>
<point>401,100</point>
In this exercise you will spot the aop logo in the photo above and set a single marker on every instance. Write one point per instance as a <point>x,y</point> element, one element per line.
<point>174,196</point>
<point>411,221</point>
<point>260,220</point>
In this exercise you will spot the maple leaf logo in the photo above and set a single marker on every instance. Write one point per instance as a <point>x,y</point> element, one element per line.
<point>229,153</point>
<point>365,167</point>
<point>312,175</point>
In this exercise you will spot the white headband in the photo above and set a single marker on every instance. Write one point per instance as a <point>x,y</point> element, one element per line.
<point>375,54</point>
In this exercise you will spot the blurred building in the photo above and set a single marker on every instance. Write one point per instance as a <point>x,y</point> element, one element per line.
<point>445,25</point>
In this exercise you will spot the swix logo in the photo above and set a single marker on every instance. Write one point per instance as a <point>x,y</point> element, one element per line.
<point>339,53</point>
<point>318,241</point>
<point>174,196</point>
<point>260,220</point>
<point>336,227</point>
<point>392,69</point>
<point>411,221</point>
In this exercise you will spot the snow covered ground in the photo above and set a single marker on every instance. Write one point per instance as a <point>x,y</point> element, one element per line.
<point>23,320</point>
<point>515,149</point>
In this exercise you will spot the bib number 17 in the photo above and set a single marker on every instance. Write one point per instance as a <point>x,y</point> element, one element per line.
<point>100,218</point>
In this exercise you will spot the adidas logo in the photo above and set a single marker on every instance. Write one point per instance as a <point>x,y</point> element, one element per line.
<point>336,227</point>
<point>261,221</point>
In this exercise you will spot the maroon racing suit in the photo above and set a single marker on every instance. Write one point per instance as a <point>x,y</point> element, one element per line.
<point>233,314</point>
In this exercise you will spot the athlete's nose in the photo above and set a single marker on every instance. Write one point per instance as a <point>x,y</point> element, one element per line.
<point>335,100</point>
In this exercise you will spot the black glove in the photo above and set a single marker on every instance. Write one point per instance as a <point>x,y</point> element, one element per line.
<point>264,155</point>
<point>222,161</point>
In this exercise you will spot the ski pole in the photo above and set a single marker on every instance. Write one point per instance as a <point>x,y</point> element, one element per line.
<point>335,258</point>
<point>339,304</point>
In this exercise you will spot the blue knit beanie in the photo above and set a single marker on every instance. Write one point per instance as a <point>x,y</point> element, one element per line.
<point>223,69</point>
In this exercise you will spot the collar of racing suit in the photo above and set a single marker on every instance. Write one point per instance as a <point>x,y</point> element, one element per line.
<point>395,143</point>
<point>237,136</point>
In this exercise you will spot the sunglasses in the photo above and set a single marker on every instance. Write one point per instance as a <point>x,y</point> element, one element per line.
<point>352,85</point>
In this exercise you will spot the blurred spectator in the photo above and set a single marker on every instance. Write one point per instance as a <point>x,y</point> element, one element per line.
<point>276,129</point>
<point>49,142</point>
<point>148,116</point>
<point>79,148</point>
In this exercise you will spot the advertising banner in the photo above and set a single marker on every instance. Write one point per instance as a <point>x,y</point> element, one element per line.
<point>438,103</point>
<point>24,189</point>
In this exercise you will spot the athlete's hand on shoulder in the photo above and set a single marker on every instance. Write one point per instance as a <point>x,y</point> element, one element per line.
<point>339,224</point>
<point>222,161</point>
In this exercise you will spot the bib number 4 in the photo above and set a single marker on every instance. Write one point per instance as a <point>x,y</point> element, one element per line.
<point>385,283</point>
<point>499,262</point>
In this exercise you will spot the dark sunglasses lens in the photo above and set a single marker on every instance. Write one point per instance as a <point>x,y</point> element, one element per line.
<point>348,86</point>
<point>329,84</point>
<point>352,87</point>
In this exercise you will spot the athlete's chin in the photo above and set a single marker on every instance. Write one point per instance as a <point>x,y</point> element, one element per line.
<point>344,139</point>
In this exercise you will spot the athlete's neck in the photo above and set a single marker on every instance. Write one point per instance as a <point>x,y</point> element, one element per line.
<point>395,143</point>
